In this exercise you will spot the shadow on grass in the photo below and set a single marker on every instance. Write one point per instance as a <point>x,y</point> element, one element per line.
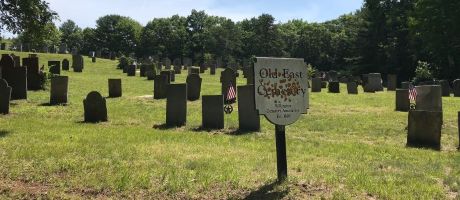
<point>4,133</point>
<point>49,105</point>
<point>239,132</point>
<point>267,192</point>
<point>164,127</point>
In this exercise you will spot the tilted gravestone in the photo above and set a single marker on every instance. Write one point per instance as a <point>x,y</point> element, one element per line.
<point>227,78</point>
<point>424,129</point>
<point>316,85</point>
<point>95,108</point>
<point>248,117</point>
<point>445,88</point>
<point>131,71</point>
<point>429,98</point>
<point>402,100</point>
<point>352,87</point>
<point>405,85</point>
<point>167,63</point>
<point>334,87</point>
<point>16,77</point>
<point>212,112</point>
<point>65,64</point>
<point>5,97</point>
<point>177,63</point>
<point>59,90</point>
<point>456,88</point>
<point>193,70</point>
<point>176,105</point>
<point>77,63</point>
<point>34,76</point>
<point>115,89</point>
<point>193,87</point>
<point>54,67</point>
<point>392,82</point>
<point>373,82</point>
<point>160,84</point>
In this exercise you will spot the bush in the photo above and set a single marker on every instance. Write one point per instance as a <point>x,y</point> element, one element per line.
<point>423,72</point>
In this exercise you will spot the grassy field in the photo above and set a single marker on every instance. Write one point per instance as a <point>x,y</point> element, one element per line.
<point>346,147</point>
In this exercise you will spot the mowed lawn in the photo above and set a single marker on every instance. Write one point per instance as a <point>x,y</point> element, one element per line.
<point>346,147</point>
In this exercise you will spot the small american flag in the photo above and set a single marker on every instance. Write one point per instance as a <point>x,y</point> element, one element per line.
<point>412,93</point>
<point>231,94</point>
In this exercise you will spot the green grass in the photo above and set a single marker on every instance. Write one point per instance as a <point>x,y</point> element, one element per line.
<point>346,147</point>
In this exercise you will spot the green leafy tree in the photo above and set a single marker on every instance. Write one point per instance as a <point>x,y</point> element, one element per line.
<point>89,40</point>
<point>71,34</point>
<point>37,39</point>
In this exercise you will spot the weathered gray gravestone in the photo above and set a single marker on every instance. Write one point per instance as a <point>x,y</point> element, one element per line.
<point>334,87</point>
<point>445,88</point>
<point>212,112</point>
<point>16,77</point>
<point>248,117</point>
<point>316,85</point>
<point>373,82</point>
<point>77,63</point>
<point>352,87</point>
<point>193,87</point>
<point>95,108</point>
<point>54,67</point>
<point>59,90</point>
<point>177,63</point>
<point>65,64</point>
<point>176,105</point>
<point>429,98</point>
<point>402,100</point>
<point>456,88</point>
<point>160,84</point>
<point>187,62</point>
<point>392,82</point>
<point>5,97</point>
<point>227,77</point>
<point>131,71</point>
<point>424,129</point>
<point>115,89</point>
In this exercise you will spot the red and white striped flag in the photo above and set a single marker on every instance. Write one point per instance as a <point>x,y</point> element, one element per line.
<point>231,94</point>
<point>412,93</point>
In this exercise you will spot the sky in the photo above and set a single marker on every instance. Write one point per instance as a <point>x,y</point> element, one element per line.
<point>86,12</point>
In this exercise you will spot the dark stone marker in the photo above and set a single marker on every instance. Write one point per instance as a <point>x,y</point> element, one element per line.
<point>213,68</point>
<point>59,90</point>
<point>131,71</point>
<point>17,60</point>
<point>402,100</point>
<point>5,97</point>
<point>115,89</point>
<point>445,88</point>
<point>227,77</point>
<point>424,129</point>
<point>456,88</point>
<point>177,63</point>
<point>212,112</point>
<point>392,82</point>
<point>316,85</point>
<point>16,77</point>
<point>352,87</point>
<point>95,108</point>
<point>54,66</point>
<point>77,63</point>
<point>3,46</point>
<point>405,85</point>
<point>324,84</point>
<point>193,87</point>
<point>167,63</point>
<point>202,68</point>
<point>34,76</point>
<point>65,64</point>
<point>334,87</point>
<point>144,68</point>
<point>160,84</point>
<point>176,105</point>
<point>93,59</point>
<point>248,117</point>
<point>193,70</point>
<point>373,82</point>
<point>429,98</point>
<point>150,75</point>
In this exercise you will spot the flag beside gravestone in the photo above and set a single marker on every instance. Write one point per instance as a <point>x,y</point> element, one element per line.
<point>227,78</point>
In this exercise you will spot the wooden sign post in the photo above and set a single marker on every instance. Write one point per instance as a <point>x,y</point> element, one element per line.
<point>281,95</point>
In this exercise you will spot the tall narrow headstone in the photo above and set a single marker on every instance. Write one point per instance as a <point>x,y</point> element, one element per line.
<point>248,117</point>
<point>59,90</point>
<point>424,129</point>
<point>161,83</point>
<point>177,63</point>
<point>95,108</point>
<point>176,105</point>
<point>65,64</point>
<point>392,82</point>
<point>115,89</point>
<point>5,97</point>
<point>316,85</point>
<point>193,87</point>
<point>77,63</point>
<point>402,100</point>
<point>212,112</point>
<point>34,76</point>
<point>456,88</point>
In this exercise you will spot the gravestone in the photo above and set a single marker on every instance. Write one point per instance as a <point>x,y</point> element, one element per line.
<point>93,59</point>
<point>392,82</point>
<point>16,77</point>
<point>160,84</point>
<point>227,77</point>
<point>373,82</point>
<point>115,89</point>
<point>248,117</point>
<point>202,68</point>
<point>212,112</point>
<point>34,75</point>
<point>187,62</point>
<point>193,87</point>
<point>334,87</point>
<point>213,68</point>
<point>59,90</point>
<point>177,63</point>
<point>17,60</point>
<point>176,105</point>
<point>3,46</point>
<point>170,73</point>
<point>77,63</point>
<point>95,108</point>
<point>193,70</point>
<point>405,85</point>
<point>424,129</point>
<point>65,64</point>
<point>316,85</point>
<point>402,100</point>
<point>445,88</point>
<point>131,71</point>
<point>5,97</point>
<point>324,84</point>
<point>456,88</point>
<point>150,75</point>
<point>167,63</point>
<point>429,98</point>
<point>352,87</point>
<point>54,67</point>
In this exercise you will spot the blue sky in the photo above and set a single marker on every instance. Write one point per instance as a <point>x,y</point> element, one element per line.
<point>85,12</point>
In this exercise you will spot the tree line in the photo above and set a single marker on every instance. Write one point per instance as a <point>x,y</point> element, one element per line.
<point>386,36</point>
